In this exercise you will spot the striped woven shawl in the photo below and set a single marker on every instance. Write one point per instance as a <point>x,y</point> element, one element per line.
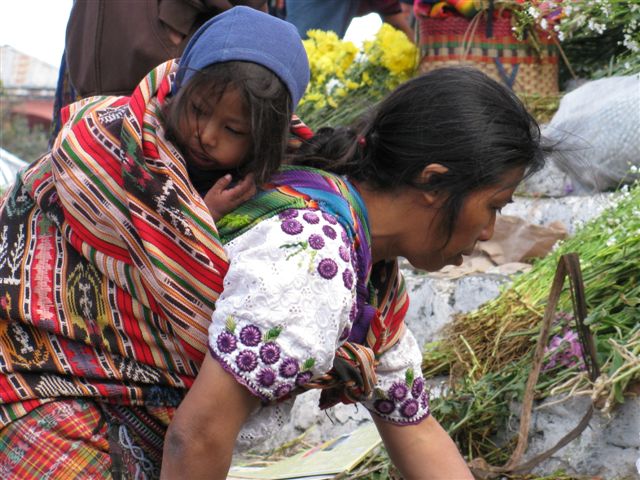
<point>110,263</point>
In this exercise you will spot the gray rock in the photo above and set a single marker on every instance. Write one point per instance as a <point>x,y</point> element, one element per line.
<point>607,448</point>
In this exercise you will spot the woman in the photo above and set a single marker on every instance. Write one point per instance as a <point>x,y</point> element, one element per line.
<point>313,298</point>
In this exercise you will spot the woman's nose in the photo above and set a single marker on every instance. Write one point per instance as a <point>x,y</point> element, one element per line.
<point>487,232</point>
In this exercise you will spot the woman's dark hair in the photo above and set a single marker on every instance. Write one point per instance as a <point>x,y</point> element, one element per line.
<point>457,117</point>
<point>266,98</point>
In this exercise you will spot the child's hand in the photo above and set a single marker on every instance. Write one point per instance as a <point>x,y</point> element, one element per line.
<point>220,200</point>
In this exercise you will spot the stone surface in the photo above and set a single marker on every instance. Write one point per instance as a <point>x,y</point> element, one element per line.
<point>608,448</point>
<point>571,210</point>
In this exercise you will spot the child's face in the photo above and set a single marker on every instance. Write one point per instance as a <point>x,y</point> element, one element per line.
<point>217,134</point>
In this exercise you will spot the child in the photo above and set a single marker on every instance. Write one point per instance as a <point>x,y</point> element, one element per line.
<point>233,99</point>
<point>110,263</point>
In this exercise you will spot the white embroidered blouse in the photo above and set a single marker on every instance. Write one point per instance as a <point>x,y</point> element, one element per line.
<point>288,303</point>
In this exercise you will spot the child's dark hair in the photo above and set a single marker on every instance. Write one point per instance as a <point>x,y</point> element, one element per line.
<point>266,98</point>
<point>457,117</point>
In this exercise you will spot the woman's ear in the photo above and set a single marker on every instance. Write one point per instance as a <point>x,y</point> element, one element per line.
<point>426,177</point>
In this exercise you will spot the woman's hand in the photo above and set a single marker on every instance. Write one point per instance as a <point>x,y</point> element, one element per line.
<point>423,451</point>
<point>222,199</point>
<point>201,437</point>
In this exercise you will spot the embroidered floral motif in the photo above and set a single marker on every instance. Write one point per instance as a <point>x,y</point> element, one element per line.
<point>303,378</point>
<point>311,218</point>
<point>347,278</point>
<point>289,213</point>
<point>316,241</point>
<point>250,336</point>
<point>270,353</point>
<point>409,408</point>
<point>398,391</point>
<point>247,361</point>
<point>226,342</point>
<point>292,227</point>
<point>329,218</point>
<point>408,399</point>
<point>418,387</point>
<point>384,406</point>
<point>283,390</point>
<point>289,367</point>
<point>329,232</point>
<point>261,365</point>
<point>344,253</point>
<point>266,377</point>
<point>327,268</point>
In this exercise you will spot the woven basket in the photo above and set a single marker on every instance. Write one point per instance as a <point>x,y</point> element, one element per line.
<point>491,48</point>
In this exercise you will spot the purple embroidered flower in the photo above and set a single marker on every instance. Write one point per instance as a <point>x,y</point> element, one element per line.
<point>329,218</point>
<point>247,360</point>
<point>329,232</point>
<point>384,406</point>
<point>311,218</point>
<point>344,237</point>
<point>409,408</point>
<point>292,227</point>
<point>316,241</point>
<point>226,342</point>
<point>417,387</point>
<point>270,353</point>
<point>398,391</point>
<point>347,278</point>
<point>327,268</point>
<point>303,378</point>
<point>266,377</point>
<point>289,367</point>
<point>250,335</point>
<point>424,400</point>
<point>289,213</point>
<point>344,253</point>
<point>282,390</point>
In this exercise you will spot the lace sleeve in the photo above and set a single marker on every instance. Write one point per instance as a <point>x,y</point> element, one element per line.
<point>286,303</point>
<point>400,395</point>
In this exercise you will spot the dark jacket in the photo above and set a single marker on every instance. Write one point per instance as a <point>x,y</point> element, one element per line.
<point>112,44</point>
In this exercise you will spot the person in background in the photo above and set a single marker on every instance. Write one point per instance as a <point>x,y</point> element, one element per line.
<point>336,15</point>
<point>110,45</point>
<point>110,261</point>
<point>314,297</point>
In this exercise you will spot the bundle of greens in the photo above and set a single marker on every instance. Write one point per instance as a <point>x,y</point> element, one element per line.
<point>488,353</point>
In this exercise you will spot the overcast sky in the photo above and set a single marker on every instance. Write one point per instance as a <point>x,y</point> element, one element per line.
<point>37,27</point>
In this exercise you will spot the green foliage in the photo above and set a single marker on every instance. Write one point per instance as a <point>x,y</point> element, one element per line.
<point>16,136</point>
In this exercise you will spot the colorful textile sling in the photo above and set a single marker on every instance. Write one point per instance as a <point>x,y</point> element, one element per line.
<point>382,301</point>
<point>110,263</point>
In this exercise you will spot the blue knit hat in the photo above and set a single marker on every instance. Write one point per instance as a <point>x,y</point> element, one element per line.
<point>246,34</point>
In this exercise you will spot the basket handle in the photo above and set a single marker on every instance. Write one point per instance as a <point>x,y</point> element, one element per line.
<point>568,265</point>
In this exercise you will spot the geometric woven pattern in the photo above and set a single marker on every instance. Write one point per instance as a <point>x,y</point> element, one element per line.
<point>492,48</point>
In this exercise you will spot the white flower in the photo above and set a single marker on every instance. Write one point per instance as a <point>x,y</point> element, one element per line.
<point>544,24</point>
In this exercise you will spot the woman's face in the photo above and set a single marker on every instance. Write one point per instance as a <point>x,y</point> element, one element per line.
<point>425,247</point>
<point>217,132</point>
